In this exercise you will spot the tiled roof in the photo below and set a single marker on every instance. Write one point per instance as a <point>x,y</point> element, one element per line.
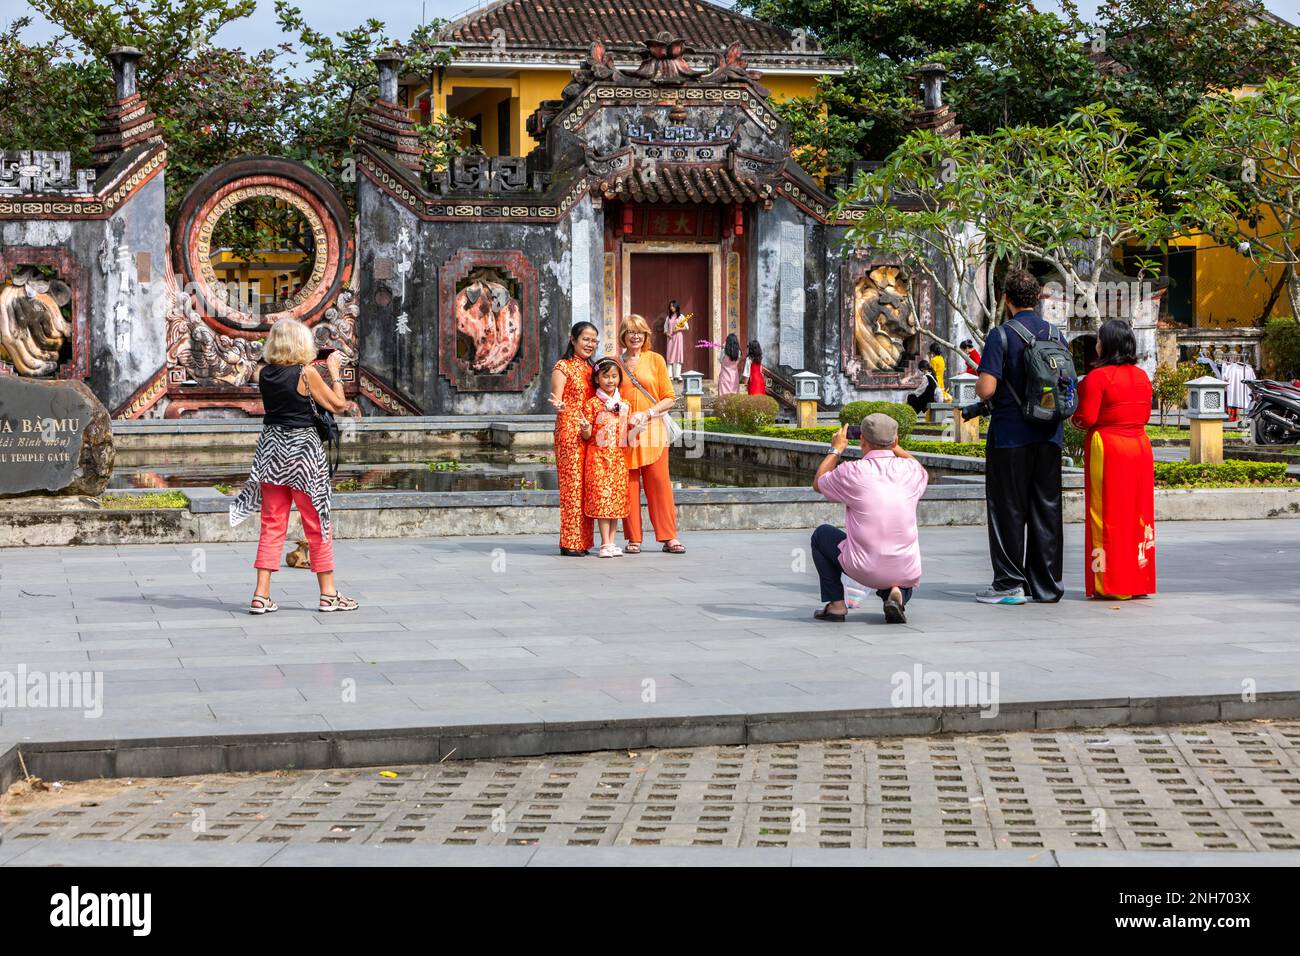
<point>685,184</point>
<point>622,24</point>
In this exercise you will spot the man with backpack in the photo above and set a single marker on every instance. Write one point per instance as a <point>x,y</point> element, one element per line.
<point>1027,376</point>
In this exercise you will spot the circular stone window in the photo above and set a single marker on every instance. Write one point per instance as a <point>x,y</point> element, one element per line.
<point>260,239</point>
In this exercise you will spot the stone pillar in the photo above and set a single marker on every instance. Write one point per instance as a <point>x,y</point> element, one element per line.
<point>128,122</point>
<point>124,59</point>
<point>387,126</point>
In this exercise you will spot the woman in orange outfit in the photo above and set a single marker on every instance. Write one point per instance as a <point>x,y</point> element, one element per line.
<point>1119,479</point>
<point>570,389</point>
<point>649,394</point>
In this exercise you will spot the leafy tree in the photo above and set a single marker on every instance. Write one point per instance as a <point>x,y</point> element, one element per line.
<point>213,103</point>
<point>1008,64</point>
<point>1243,165</point>
<point>1282,345</point>
<point>1170,385</point>
<point>936,182</point>
<point>1066,194</point>
<point>1158,58</point>
<point>29,119</point>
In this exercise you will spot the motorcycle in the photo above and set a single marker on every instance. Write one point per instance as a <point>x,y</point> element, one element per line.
<point>1274,412</point>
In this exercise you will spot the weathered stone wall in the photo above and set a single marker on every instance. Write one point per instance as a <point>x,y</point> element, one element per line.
<point>411,362</point>
<point>122,316</point>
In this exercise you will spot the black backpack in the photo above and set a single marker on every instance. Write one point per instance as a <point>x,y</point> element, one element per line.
<point>1051,384</point>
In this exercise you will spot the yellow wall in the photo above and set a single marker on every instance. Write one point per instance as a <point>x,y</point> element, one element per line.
<point>485,104</point>
<point>1230,291</point>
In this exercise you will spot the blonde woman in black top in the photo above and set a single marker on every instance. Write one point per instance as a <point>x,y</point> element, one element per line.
<point>289,466</point>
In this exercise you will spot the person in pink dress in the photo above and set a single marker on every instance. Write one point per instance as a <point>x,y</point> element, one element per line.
<point>674,329</point>
<point>728,366</point>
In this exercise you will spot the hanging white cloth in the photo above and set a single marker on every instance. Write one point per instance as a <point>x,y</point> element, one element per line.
<point>1236,374</point>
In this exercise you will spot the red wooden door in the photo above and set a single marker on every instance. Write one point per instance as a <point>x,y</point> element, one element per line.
<point>658,277</point>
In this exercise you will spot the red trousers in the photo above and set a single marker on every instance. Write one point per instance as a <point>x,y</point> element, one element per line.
<point>658,496</point>
<point>276,500</point>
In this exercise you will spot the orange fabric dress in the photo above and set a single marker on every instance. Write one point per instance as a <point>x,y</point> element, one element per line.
<point>647,461</point>
<point>604,483</point>
<point>570,451</point>
<point>1119,482</point>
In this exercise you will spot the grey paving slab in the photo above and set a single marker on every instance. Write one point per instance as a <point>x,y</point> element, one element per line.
<point>728,625</point>
<point>144,854</point>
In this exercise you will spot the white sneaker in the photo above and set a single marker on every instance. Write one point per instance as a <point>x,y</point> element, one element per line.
<point>609,551</point>
<point>617,551</point>
<point>991,596</point>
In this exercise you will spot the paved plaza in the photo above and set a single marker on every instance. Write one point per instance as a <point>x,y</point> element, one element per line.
<point>496,631</point>
<point>1203,790</point>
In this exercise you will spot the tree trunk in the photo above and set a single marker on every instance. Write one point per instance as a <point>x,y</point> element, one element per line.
<point>1293,291</point>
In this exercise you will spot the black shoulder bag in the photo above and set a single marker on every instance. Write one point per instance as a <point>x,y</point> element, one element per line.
<point>327,427</point>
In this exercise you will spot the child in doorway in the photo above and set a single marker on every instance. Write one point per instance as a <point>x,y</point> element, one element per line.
<point>604,425</point>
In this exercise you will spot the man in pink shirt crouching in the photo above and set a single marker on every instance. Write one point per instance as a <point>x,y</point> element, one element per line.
<point>878,547</point>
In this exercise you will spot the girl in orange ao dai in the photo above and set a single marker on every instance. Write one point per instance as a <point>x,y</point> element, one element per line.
<point>605,429</point>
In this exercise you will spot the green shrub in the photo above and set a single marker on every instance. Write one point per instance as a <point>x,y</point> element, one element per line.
<point>854,412</point>
<point>1184,474</point>
<point>819,433</point>
<point>746,413</point>
<point>1282,346</point>
<point>962,449</point>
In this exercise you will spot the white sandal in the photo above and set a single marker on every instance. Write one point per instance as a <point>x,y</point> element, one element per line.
<point>336,602</point>
<point>262,605</point>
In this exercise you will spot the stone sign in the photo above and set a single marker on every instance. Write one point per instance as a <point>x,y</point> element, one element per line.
<point>55,439</point>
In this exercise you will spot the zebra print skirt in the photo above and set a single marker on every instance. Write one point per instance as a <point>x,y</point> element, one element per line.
<point>287,456</point>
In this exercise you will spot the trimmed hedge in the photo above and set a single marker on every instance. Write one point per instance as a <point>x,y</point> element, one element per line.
<point>962,449</point>
<point>854,412</point>
<point>747,413</point>
<point>1231,473</point>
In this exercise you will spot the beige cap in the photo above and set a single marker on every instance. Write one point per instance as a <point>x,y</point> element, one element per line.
<point>880,430</point>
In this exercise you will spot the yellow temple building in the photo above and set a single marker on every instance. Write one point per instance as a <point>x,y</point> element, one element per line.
<point>513,54</point>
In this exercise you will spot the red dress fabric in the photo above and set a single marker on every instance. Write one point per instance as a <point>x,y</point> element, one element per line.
<point>570,452</point>
<point>1119,498</point>
<point>604,484</point>
<point>757,383</point>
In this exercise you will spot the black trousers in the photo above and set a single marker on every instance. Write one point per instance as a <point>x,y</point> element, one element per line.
<point>826,558</point>
<point>1022,487</point>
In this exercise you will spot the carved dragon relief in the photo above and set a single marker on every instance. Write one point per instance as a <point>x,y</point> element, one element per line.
<point>883,319</point>
<point>33,330</point>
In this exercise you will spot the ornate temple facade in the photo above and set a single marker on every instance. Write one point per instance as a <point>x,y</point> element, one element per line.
<point>664,176</point>
<point>649,181</point>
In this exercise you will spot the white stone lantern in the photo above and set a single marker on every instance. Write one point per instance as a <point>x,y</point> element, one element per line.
<point>1207,401</point>
<point>963,388</point>
<point>693,389</point>
<point>807,386</point>
<point>963,394</point>
<point>807,390</point>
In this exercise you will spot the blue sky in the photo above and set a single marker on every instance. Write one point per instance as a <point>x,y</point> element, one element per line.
<point>260,30</point>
